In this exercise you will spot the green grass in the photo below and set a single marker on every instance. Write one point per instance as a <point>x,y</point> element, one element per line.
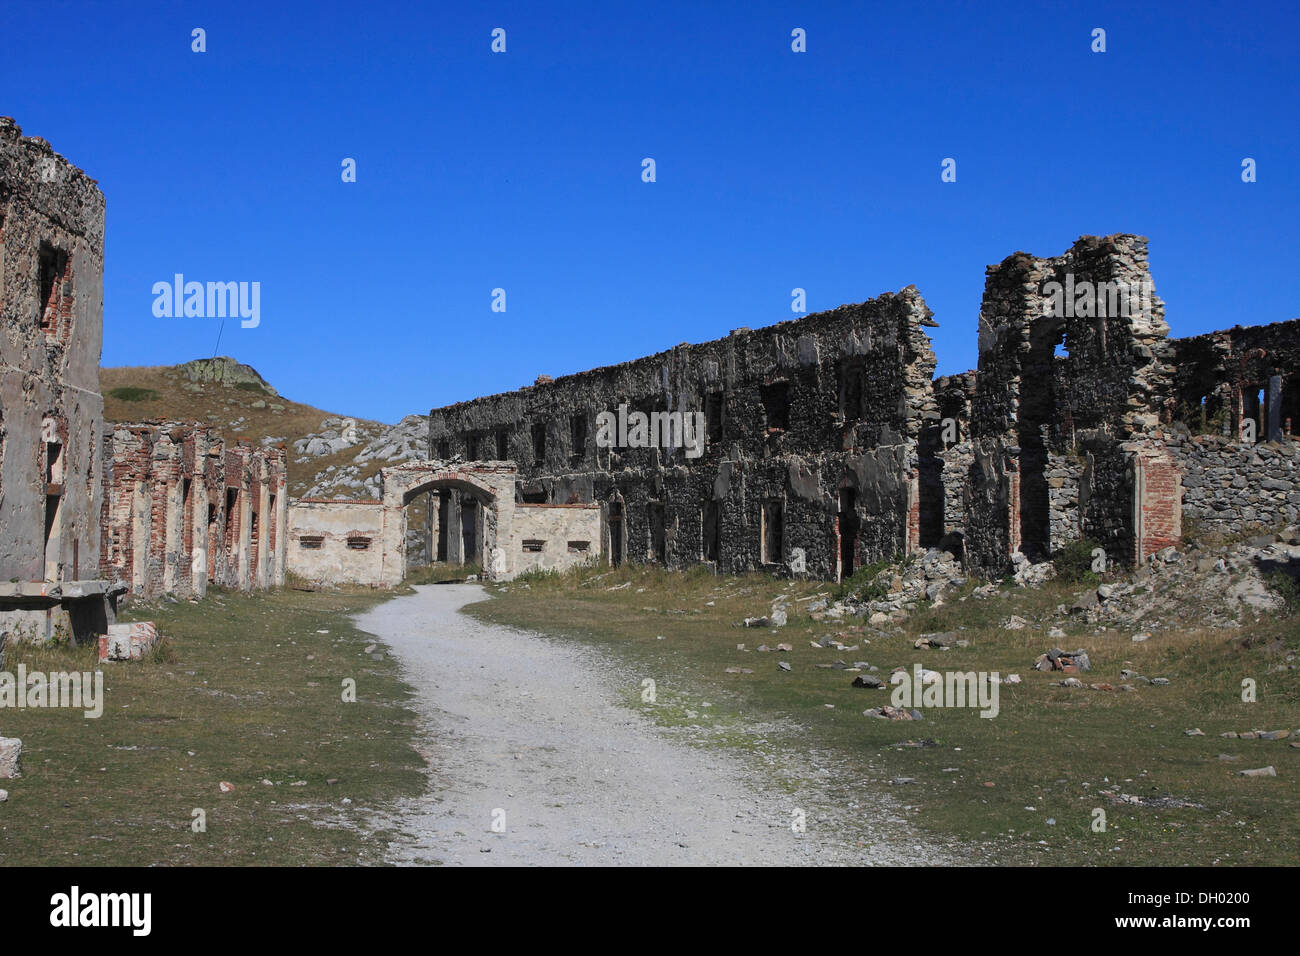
<point>132,394</point>
<point>1051,748</point>
<point>440,572</point>
<point>245,689</point>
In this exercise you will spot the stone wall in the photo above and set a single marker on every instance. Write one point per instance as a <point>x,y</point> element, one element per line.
<point>1070,346</point>
<point>336,541</point>
<point>184,510</point>
<point>1223,379</point>
<point>51,411</point>
<point>1231,488</point>
<point>554,537</point>
<point>812,439</point>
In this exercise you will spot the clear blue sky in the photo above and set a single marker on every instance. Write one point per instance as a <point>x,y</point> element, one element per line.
<point>478,170</point>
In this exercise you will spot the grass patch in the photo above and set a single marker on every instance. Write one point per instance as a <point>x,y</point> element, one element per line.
<point>441,572</point>
<point>1073,563</point>
<point>1051,749</point>
<point>132,394</point>
<point>244,689</point>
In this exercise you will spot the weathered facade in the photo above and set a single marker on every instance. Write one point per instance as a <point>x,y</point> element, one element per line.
<point>809,457</point>
<point>474,520</point>
<point>1237,400</point>
<point>336,541</point>
<point>51,410</point>
<point>89,512</point>
<point>1074,381</point>
<point>184,510</point>
<point>828,445</point>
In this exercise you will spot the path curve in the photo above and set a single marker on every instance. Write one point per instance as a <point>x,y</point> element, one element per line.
<point>532,726</point>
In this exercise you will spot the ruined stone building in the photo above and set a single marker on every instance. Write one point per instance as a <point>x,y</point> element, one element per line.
<point>1073,386</point>
<point>828,445</point>
<point>185,510</point>
<point>813,446</point>
<point>809,457</point>
<point>89,512</point>
<point>336,541</point>
<point>51,410</point>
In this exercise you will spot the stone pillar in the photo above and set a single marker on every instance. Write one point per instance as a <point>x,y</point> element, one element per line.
<point>199,523</point>
<point>455,536</point>
<point>1273,415</point>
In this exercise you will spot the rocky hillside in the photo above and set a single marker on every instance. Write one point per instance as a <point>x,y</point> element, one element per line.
<point>328,454</point>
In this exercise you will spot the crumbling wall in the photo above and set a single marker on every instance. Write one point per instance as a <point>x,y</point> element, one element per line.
<point>336,541</point>
<point>1231,488</point>
<point>51,411</point>
<point>183,511</point>
<point>946,457</point>
<point>1224,379</point>
<point>812,439</point>
<point>1073,352</point>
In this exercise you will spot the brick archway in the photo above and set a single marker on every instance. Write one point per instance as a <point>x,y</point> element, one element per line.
<point>491,485</point>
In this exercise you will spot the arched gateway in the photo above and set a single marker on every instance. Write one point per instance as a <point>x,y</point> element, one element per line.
<point>475,511</point>
<point>474,514</point>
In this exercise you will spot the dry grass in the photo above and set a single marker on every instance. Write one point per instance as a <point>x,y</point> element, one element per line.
<point>1048,755</point>
<point>219,405</point>
<point>246,691</point>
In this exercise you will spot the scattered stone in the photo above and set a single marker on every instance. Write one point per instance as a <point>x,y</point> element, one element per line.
<point>1059,660</point>
<point>1016,623</point>
<point>1275,735</point>
<point>869,681</point>
<point>1194,732</point>
<point>946,639</point>
<point>128,642</point>
<point>900,781</point>
<point>783,665</point>
<point>1139,638</point>
<point>4,796</point>
<point>892,713</point>
<point>1157,803</point>
<point>785,647</point>
<point>1085,603</point>
<point>1258,772</point>
<point>11,748</point>
<point>226,787</point>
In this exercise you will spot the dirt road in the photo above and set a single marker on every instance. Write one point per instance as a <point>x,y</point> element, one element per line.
<point>533,736</point>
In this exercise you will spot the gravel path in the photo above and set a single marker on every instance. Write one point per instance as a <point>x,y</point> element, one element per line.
<point>532,727</point>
